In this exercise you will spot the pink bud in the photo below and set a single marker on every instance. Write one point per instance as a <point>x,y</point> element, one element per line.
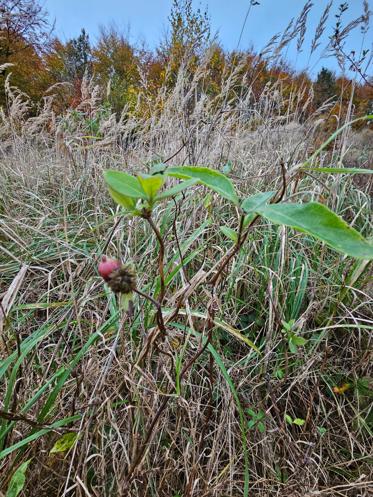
<point>107,266</point>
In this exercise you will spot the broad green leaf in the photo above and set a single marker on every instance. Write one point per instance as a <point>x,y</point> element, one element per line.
<point>340,170</point>
<point>252,203</point>
<point>207,177</point>
<point>125,184</point>
<point>65,443</point>
<point>18,480</point>
<point>299,421</point>
<point>261,427</point>
<point>229,233</point>
<point>317,220</point>
<point>151,184</point>
<point>171,192</point>
<point>120,199</point>
<point>292,347</point>
<point>298,341</point>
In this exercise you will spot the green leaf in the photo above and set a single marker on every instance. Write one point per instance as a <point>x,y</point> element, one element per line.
<point>124,184</point>
<point>288,325</point>
<point>207,177</point>
<point>321,430</point>
<point>288,419</point>
<point>317,220</point>
<point>261,427</point>
<point>65,443</point>
<point>229,233</point>
<point>252,203</point>
<point>299,421</point>
<point>151,184</point>
<point>298,341</point>
<point>340,170</point>
<point>18,480</point>
<point>292,347</point>
<point>279,374</point>
<point>122,200</point>
<point>171,192</point>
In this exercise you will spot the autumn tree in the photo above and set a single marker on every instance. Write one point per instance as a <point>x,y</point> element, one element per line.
<point>23,24</point>
<point>189,37</point>
<point>116,68</point>
<point>24,32</point>
<point>190,29</point>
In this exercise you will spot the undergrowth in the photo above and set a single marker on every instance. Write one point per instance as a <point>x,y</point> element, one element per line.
<point>262,387</point>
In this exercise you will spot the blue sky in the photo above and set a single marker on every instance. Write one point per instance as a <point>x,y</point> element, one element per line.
<point>147,21</point>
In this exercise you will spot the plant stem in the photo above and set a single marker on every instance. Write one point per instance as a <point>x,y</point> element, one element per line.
<point>160,258</point>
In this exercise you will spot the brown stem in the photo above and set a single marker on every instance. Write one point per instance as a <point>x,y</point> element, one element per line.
<point>243,236</point>
<point>160,258</point>
<point>233,251</point>
<point>149,431</point>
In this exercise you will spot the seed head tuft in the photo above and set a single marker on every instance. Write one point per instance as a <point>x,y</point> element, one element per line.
<point>122,280</point>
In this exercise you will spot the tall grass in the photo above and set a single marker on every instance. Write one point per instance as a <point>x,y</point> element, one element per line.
<point>73,361</point>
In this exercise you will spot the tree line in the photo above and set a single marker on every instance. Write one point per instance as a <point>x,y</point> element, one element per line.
<point>38,61</point>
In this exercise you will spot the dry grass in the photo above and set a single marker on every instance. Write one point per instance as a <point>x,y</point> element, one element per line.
<point>56,221</point>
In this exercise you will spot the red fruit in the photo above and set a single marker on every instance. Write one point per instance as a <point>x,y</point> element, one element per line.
<point>107,266</point>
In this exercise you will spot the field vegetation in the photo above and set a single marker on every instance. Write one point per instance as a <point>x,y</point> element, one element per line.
<point>236,360</point>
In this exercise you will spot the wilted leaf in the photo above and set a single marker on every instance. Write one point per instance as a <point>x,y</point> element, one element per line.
<point>64,443</point>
